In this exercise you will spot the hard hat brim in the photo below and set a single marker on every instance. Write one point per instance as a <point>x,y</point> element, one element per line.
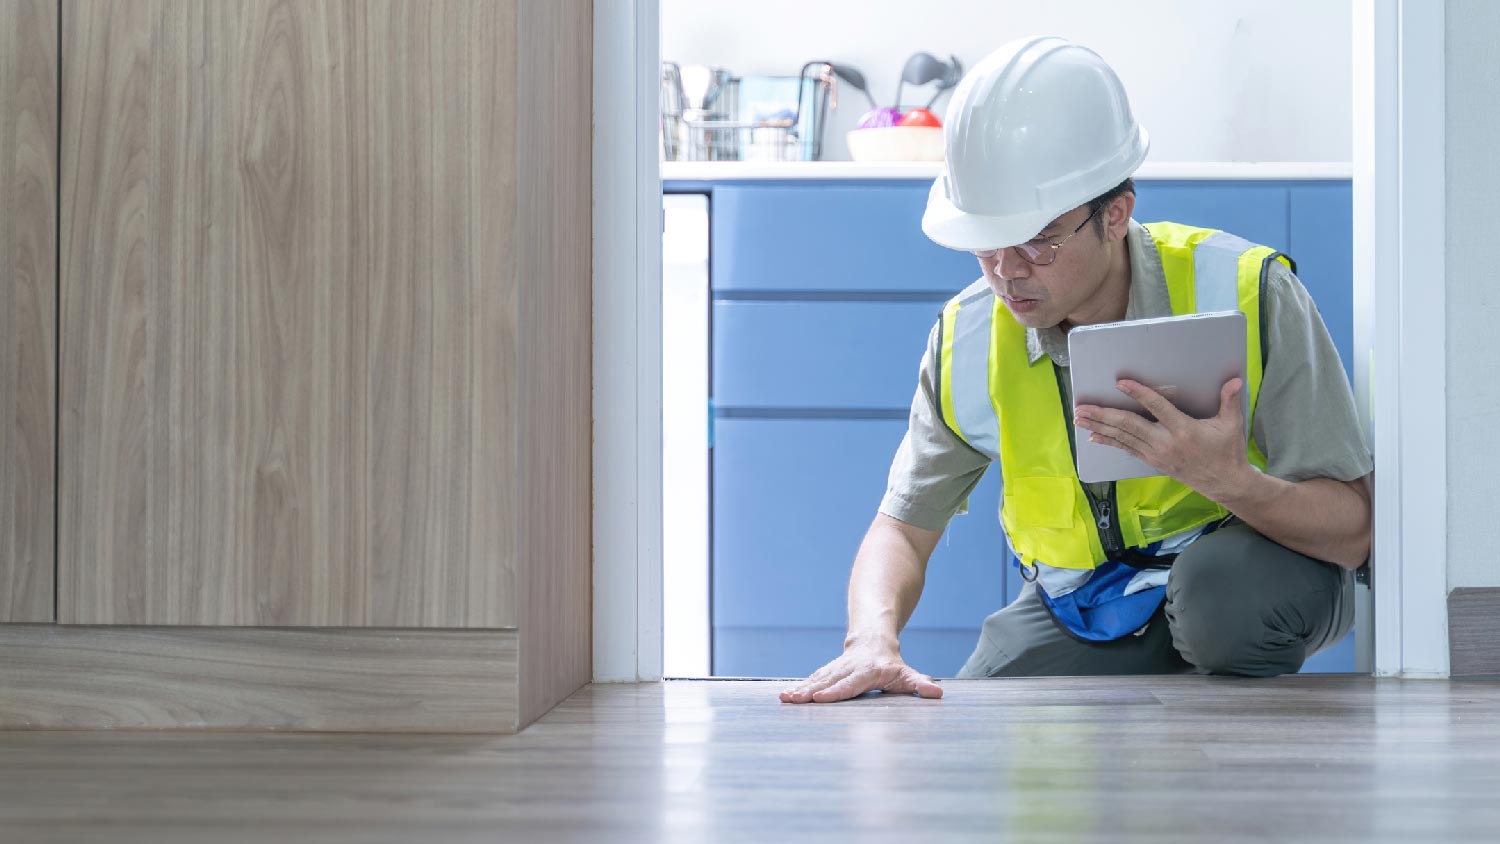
<point>949,226</point>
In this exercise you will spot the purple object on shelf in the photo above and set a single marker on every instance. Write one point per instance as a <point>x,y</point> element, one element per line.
<point>879,118</point>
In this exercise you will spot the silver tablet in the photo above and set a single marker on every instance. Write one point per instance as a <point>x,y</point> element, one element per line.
<point>1186,358</point>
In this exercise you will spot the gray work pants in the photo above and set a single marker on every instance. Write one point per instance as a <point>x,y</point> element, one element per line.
<point>1237,603</point>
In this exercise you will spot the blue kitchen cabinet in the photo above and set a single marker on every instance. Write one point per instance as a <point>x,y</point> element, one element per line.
<point>801,493</point>
<point>819,355</point>
<point>1321,229</point>
<point>1256,211</point>
<point>823,296</point>
<point>849,238</point>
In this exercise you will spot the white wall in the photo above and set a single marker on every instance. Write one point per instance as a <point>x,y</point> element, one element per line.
<point>1472,128</point>
<point>1228,80</point>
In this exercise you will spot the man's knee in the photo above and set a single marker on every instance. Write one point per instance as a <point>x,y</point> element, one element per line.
<point>1219,615</point>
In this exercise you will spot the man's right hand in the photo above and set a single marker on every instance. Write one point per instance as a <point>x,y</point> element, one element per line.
<point>861,669</point>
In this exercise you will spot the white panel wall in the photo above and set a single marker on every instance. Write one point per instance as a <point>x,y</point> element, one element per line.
<point>1473,303</point>
<point>1229,80</point>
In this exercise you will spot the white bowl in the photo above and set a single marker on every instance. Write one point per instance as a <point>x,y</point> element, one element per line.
<point>897,143</point>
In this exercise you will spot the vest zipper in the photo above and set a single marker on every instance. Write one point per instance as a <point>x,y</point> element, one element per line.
<point>1110,538</point>
<point>1104,510</point>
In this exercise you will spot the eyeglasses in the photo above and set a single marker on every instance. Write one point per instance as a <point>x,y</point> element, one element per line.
<point>1038,254</point>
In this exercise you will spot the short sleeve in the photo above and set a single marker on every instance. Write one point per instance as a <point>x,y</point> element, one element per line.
<point>1305,416</point>
<point>934,470</point>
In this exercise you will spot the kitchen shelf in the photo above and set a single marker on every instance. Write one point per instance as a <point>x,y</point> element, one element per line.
<point>713,171</point>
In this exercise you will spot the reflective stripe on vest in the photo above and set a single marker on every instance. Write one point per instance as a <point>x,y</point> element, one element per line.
<point>967,324</point>
<point>1012,411</point>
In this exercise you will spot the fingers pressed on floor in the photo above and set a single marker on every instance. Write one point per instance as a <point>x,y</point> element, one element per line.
<point>854,684</point>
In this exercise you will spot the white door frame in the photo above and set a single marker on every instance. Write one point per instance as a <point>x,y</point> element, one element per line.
<point>1400,321</point>
<point>627,343</point>
<point>1398,53</point>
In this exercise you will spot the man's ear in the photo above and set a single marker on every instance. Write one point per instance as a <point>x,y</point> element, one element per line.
<point>1117,216</point>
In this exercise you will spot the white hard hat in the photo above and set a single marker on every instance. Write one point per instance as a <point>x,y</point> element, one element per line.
<point>1040,126</point>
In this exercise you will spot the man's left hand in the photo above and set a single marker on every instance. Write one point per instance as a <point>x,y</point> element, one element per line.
<point>1205,454</point>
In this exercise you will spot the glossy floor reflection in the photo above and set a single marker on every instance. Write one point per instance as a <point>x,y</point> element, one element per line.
<point>1109,759</point>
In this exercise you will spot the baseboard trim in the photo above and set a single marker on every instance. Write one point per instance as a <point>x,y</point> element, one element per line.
<point>1474,631</point>
<point>245,678</point>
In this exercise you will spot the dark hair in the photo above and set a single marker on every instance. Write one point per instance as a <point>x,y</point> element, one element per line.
<point>1097,203</point>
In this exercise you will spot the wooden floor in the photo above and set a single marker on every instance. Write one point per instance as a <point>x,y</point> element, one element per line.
<point>1172,759</point>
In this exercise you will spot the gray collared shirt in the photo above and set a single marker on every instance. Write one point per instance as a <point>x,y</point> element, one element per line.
<point>1305,418</point>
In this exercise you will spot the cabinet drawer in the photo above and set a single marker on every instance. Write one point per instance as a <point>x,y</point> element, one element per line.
<point>799,651</point>
<point>1256,211</point>
<point>792,500</point>
<point>819,354</point>
<point>827,237</point>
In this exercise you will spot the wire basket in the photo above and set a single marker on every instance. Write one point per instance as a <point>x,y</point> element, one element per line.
<point>743,122</point>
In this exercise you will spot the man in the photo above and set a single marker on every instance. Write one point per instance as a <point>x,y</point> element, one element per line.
<point>1239,558</point>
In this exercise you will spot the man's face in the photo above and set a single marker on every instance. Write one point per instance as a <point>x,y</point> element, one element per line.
<point>1044,296</point>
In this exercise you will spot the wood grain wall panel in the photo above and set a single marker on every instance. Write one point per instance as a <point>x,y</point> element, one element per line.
<point>63,677</point>
<point>288,313</point>
<point>1474,631</point>
<point>28,307</point>
<point>442,315</point>
<point>554,221</point>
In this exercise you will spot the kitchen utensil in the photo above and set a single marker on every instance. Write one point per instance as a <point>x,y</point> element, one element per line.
<point>673,103</point>
<point>920,69</point>
<point>702,85</point>
<point>855,79</point>
<point>950,79</point>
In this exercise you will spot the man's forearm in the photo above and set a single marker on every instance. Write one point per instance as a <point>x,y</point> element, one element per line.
<point>885,584</point>
<point>1322,518</point>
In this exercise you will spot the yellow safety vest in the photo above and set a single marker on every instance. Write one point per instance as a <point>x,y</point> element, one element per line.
<point>992,397</point>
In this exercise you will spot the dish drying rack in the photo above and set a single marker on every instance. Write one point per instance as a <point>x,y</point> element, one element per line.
<point>711,132</point>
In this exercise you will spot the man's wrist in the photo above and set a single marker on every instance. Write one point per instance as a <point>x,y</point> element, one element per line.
<point>876,640</point>
<point>1240,489</point>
